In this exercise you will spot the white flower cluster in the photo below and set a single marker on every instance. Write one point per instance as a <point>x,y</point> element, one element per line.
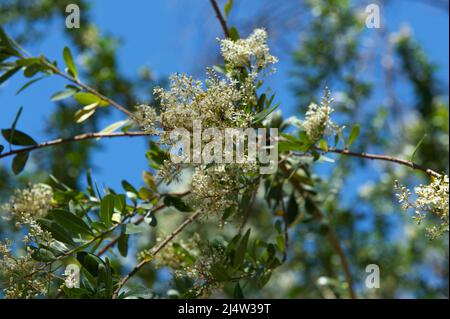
<point>216,188</point>
<point>430,199</point>
<point>318,120</point>
<point>71,278</point>
<point>243,52</point>
<point>220,102</point>
<point>25,278</point>
<point>30,203</point>
<point>147,118</point>
<point>178,255</point>
<point>24,275</point>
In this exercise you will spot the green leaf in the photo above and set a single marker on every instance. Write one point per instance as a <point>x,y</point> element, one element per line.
<point>264,113</point>
<point>149,179</point>
<point>105,277</point>
<point>5,76</point>
<point>323,145</point>
<point>178,203</point>
<point>238,294</point>
<point>354,133</point>
<point>228,7</point>
<point>415,148</point>
<point>42,254</point>
<point>123,244</point>
<point>58,232</point>
<point>292,210</point>
<point>1,148</point>
<point>61,95</point>
<point>234,34</point>
<point>67,55</point>
<point>71,222</point>
<point>19,162</point>
<point>286,146</point>
<point>107,209</point>
<point>131,229</point>
<point>90,262</point>
<point>120,203</point>
<point>17,137</point>
<point>86,98</point>
<point>14,124</point>
<point>33,69</point>
<point>152,221</point>
<point>6,44</point>
<point>240,251</point>
<point>86,112</point>
<point>114,126</point>
<point>128,187</point>
<point>30,83</point>
<point>28,61</point>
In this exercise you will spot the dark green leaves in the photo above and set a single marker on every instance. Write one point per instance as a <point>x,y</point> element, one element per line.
<point>7,47</point>
<point>68,58</point>
<point>71,222</point>
<point>354,133</point>
<point>58,232</point>
<point>107,209</point>
<point>238,294</point>
<point>86,98</point>
<point>292,210</point>
<point>70,90</point>
<point>227,7</point>
<point>123,243</point>
<point>172,201</point>
<point>9,73</point>
<point>16,137</point>
<point>19,162</point>
<point>264,113</point>
<point>19,138</point>
<point>240,250</point>
<point>234,34</point>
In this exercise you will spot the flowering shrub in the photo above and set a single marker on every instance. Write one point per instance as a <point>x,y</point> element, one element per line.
<point>87,227</point>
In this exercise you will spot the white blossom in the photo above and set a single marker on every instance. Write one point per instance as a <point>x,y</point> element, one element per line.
<point>30,203</point>
<point>318,120</point>
<point>243,52</point>
<point>430,199</point>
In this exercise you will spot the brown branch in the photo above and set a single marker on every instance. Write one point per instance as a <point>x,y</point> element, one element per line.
<point>80,137</point>
<point>154,251</point>
<point>384,158</point>
<point>89,89</point>
<point>332,236</point>
<point>220,17</point>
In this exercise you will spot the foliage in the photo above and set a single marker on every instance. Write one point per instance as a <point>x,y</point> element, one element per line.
<point>244,227</point>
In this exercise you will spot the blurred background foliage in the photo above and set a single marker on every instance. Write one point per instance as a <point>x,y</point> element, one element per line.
<point>332,48</point>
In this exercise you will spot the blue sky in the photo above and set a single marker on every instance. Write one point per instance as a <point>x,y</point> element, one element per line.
<point>179,36</point>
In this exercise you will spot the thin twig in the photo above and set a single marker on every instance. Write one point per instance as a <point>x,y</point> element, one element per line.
<point>384,158</point>
<point>88,88</point>
<point>220,17</point>
<point>154,251</point>
<point>80,137</point>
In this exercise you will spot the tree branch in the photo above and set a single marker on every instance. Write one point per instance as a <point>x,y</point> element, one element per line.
<point>220,17</point>
<point>383,158</point>
<point>154,251</point>
<point>81,137</point>
<point>70,78</point>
